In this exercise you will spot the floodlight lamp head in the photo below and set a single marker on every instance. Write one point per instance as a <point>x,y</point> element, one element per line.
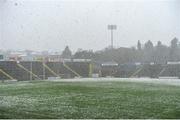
<point>112,27</point>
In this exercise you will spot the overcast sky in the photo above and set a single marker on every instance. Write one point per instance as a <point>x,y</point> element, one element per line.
<point>53,24</point>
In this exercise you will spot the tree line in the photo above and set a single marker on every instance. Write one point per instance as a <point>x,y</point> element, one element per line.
<point>143,53</point>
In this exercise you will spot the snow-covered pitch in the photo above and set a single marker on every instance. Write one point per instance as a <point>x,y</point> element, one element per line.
<point>86,98</point>
<point>167,80</point>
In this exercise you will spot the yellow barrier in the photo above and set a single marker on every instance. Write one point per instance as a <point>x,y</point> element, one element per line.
<point>136,72</point>
<point>90,69</point>
<point>6,74</point>
<point>162,71</point>
<point>21,66</point>
<point>48,68</point>
<point>66,66</point>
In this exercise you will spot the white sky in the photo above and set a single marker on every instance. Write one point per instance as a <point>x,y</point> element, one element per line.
<point>53,24</point>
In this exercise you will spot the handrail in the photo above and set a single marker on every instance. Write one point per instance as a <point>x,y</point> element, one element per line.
<point>48,68</point>
<point>65,65</point>
<point>136,72</point>
<point>21,66</point>
<point>162,71</point>
<point>6,74</point>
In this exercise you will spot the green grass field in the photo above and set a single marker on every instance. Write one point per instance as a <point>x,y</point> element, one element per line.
<point>110,99</point>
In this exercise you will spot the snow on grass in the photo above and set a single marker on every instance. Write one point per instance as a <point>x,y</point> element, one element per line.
<point>10,101</point>
<point>168,81</point>
<point>91,98</point>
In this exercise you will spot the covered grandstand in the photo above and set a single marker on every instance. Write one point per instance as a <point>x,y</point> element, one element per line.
<point>38,70</point>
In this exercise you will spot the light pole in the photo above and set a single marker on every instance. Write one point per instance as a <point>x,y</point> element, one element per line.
<point>31,70</point>
<point>43,65</point>
<point>111,28</point>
